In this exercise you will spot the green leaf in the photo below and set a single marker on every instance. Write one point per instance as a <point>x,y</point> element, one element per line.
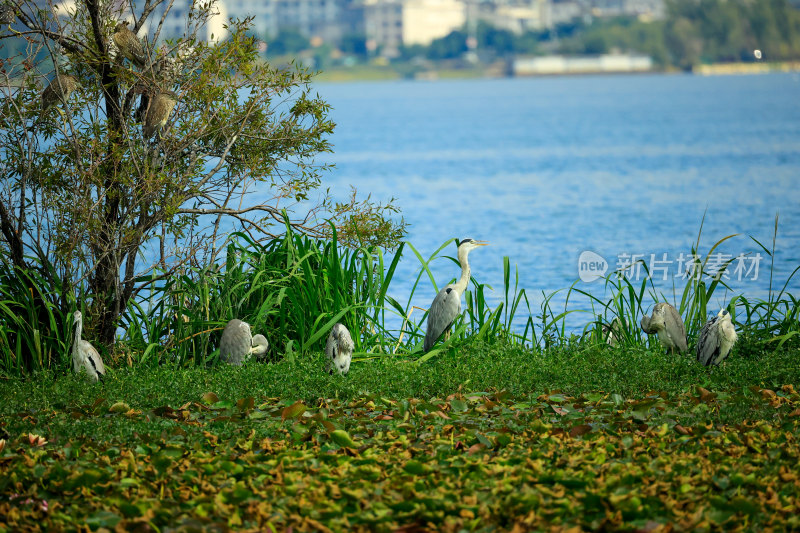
<point>119,407</point>
<point>415,467</point>
<point>342,438</point>
<point>293,411</point>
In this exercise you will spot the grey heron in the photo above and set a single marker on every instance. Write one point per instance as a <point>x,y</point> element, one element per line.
<point>157,113</point>
<point>339,349</point>
<point>717,337</point>
<point>668,324</point>
<point>238,344</point>
<point>447,304</point>
<point>84,355</point>
<point>129,45</point>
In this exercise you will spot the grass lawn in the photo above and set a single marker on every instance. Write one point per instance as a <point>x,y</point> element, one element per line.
<point>492,438</point>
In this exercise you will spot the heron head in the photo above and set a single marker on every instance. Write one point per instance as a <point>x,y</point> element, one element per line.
<point>723,313</point>
<point>260,345</point>
<point>76,317</point>
<point>470,244</point>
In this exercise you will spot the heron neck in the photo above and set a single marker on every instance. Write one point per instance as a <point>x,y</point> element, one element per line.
<point>78,331</point>
<point>463,281</point>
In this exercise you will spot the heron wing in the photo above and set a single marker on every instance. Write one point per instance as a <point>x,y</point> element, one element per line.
<point>92,361</point>
<point>708,343</point>
<point>235,343</point>
<point>443,311</point>
<point>676,329</point>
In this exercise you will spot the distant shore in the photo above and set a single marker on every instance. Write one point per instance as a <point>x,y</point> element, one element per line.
<point>385,72</point>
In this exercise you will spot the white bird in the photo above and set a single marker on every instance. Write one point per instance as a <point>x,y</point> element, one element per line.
<point>447,304</point>
<point>339,349</point>
<point>613,333</point>
<point>238,344</point>
<point>668,324</point>
<point>84,356</point>
<point>717,337</point>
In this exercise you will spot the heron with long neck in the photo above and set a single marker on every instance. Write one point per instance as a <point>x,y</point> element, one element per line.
<point>447,305</point>
<point>84,355</point>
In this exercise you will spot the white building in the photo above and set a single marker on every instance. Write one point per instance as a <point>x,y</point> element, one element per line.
<point>427,20</point>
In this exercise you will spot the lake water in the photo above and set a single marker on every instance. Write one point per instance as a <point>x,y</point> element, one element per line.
<point>547,168</point>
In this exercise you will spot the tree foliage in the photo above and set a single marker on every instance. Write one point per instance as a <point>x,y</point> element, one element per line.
<point>87,198</point>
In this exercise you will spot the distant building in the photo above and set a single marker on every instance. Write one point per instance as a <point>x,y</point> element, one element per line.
<point>381,24</point>
<point>426,20</point>
<point>516,16</point>
<point>312,18</point>
<point>265,19</point>
<point>651,9</point>
<point>564,12</point>
<point>389,24</point>
<point>557,64</point>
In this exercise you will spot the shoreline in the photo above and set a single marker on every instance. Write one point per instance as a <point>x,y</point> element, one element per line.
<point>383,73</point>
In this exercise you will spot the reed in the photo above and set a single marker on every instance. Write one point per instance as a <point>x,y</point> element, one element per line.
<point>35,321</point>
<point>294,288</point>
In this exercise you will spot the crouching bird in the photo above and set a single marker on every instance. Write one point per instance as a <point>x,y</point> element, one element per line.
<point>339,349</point>
<point>58,90</point>
<point>129,45</point>
<point>668,324</point>
<point>238,344</point>
<point>159,108</point>
<point>84,355</point>
<point>447,305</point>
<point>717,337</point>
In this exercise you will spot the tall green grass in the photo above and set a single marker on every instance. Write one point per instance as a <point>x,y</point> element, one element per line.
<point>772,321</point>
<point>35,320</point>
<point>294,288</point>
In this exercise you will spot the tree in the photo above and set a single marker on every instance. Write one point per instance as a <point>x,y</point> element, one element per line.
<point>288,41</point>
<point>87,198</point>
<point>451,46</point>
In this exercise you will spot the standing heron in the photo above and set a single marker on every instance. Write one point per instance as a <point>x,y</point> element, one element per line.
<point>58,90</point>
<point>157,113</point>
<point>717,337</point>
<point>238,344</point>
<point>84,356</point>
<point>129,45</point>
<point>668,324</point>
<point>339,349</point>
<point>447,304</point>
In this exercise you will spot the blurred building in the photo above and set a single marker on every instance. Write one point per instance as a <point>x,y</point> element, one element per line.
<point>387,25</point>
<point>516,16</point>
<point>426,20</point>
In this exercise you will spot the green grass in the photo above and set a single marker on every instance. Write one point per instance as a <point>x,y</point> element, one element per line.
<point>631,373</point>
<point>481,438</point>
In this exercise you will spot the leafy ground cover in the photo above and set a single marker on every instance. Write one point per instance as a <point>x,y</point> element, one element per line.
<point>496,439</point>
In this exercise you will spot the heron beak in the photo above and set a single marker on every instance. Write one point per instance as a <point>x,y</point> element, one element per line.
<point>481,243</point>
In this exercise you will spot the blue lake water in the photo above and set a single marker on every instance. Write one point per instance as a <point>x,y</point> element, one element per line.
<point>547,168</point>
